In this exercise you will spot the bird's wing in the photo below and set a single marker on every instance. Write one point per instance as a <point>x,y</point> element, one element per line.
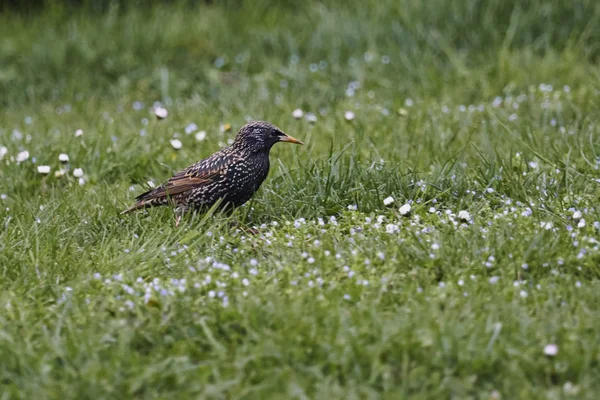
<point>202,173</point>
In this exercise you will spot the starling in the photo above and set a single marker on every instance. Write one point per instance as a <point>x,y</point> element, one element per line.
<point>232,175</point>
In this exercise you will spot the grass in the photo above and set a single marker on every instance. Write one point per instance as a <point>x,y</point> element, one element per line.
<point>484,107</point>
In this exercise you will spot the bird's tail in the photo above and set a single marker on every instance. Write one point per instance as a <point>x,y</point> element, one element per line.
<point>136,206</point>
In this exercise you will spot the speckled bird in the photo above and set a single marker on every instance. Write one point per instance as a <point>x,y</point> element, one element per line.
<point>232,175</point>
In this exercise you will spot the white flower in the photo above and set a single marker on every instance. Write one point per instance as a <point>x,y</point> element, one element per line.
<point>546,225</point>
<point>63,158</point>
<point>79,132</point>
<point>176,144</point>
<point>532,164</point>
<point>432,210</point>
<point>312,118</point>
<point>59,172</point>
<point>81,181</point>
<point>435,246</point>
<point>352,207</point>
<point>464,215</point>
<point>405,209</point>
<point>577,215</point>
<point>551,349</point>
<point>388,200</point>
<point>22,156</point>
<point>297,113</point>
<point>3,151</point>
<point>391,228</point>
<point>78,173</point>
<point>349,115</point>
<point>43,169</point>
<point>191,128</point>
<point>161,112</point>
<point>581,223</point>
<point>200,136</point>
<point>494,280</point>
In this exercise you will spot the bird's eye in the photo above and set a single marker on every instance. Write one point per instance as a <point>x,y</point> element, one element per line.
<point>275,133</point>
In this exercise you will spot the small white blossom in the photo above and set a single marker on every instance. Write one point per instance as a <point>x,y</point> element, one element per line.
<point>200,136</point>
<point>161,112</point>
<point>349,115</point>
<point>3,151</point>
<point>191,128</point>
<point>551,349</point>
<point>546,225</point>
<point>81,181</point>
<point>405,209</point>
<point>388,200</point>
<point>22,156</point>
<point>352,207</point>
<point>43,169</point>
<point>79,133</point>
<point>464,215</point>
<point>432,210</point>
<point>176,144</point>
<point>63,158</point>
<point>297,113</point>
<point>532,164</point>
<point>577,215</point>
<point>312,118</point>
<point>581,223</point>
<point>494,280</point>
<point>78,173</point>
<point>391,228</point>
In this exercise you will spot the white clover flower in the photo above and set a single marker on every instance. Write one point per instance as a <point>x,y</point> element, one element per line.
<point>161,112</point>
<point>200,136</point>
<point>297,113</point>
<point>191,128</point>
<point>388,200</point>
<point>176,144</point>
<point>78,172</point>
<point>405,209</point>
<point>43,169</point>
<point>310,117</point>
<point>79,133</point>
<point>551,349</point>
<point>464,216</point>
<point>63,158</point>
<point>22,156</point>
<point>546,225</point>
<point>391,228</point>
<point>349,115</point>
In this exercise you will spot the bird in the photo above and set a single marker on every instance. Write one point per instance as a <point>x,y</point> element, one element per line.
<point>229,177</point>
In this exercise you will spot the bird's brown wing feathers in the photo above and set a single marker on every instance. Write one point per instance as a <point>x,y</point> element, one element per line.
<point>180,183</point>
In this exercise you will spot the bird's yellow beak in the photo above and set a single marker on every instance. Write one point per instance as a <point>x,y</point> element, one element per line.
<point>288,138</point>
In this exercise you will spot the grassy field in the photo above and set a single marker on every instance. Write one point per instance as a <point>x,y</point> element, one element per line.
<point>482,117</point>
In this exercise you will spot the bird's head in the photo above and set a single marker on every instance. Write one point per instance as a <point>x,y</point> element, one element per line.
<point>260,136</point>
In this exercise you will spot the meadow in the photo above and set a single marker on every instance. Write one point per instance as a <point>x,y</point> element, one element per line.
<point>436,237</point>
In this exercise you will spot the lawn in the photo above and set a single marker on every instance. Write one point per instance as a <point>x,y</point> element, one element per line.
<point>436,237</point>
